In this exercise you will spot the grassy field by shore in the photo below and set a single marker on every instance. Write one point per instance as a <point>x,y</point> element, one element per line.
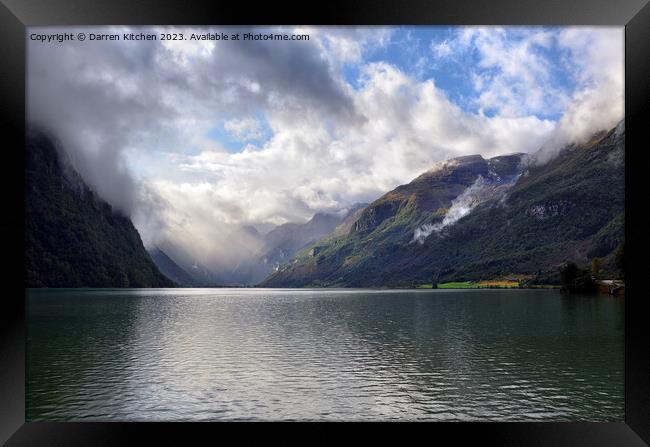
<point>489,284</point>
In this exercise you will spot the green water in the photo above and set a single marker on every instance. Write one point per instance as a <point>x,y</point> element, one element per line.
<point>260,354</point>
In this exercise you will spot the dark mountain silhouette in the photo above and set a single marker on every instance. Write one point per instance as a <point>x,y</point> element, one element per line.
<point>73,238</point>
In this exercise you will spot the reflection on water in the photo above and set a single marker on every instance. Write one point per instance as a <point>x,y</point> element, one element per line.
<point>224,354</point>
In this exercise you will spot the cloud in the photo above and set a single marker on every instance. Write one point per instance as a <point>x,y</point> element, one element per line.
<point>442,49</point>
<point>244,129</point>
<point>346,45</point>
<point>104,98</point>
<point>513,75</point>
<point>575,73</point>
<point>596,59</point>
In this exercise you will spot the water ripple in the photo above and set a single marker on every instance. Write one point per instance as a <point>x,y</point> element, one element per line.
<point>243,354</point>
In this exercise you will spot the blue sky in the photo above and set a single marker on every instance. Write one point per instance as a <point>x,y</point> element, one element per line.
<point>225,133</point>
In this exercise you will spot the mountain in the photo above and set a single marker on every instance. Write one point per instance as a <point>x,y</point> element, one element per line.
<point>282,243</point>
<point>200,275</point>
<point>471,219</point>
<point>170,269</point>
<point>73,238</point>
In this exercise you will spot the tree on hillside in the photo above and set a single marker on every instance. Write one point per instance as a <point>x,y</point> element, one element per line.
<point>434,279</point>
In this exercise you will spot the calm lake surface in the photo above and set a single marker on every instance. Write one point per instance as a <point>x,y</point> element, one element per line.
<point>269,354</point>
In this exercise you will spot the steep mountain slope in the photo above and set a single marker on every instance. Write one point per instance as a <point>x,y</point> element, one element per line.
<point>72,237</point>
<point>471,218</point>
<point>170,269</point>
<point>283,242</point>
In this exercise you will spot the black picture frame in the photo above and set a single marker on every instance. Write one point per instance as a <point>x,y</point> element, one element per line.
<point>15,15</point>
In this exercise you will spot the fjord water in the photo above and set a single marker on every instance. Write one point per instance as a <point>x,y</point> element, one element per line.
<point>269,354</point>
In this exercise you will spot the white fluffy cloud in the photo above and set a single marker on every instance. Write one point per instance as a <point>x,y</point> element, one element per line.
<point>244,129</point>
<point>442,49</point>
<point>512,76</point>
<point>596,57</point>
